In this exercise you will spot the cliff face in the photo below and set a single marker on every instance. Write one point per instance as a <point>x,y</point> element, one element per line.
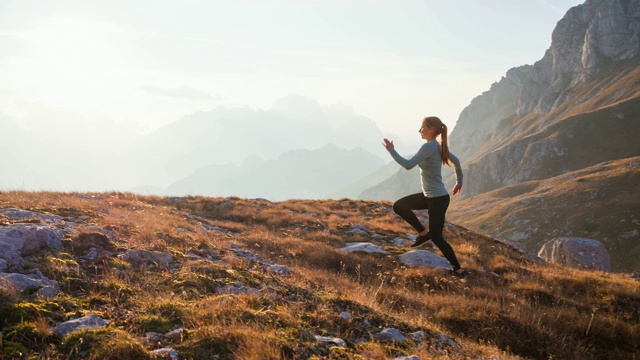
<point>587,40</point>
<point>509,133</point>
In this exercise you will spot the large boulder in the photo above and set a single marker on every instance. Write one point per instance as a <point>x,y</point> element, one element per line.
<point>17,240</point>
<point>20,282</point>
<point>577,253</point>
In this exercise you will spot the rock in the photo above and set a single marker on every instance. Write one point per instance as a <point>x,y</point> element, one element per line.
<point>401,241</point>
<point>390,335</point>
<point>359,229</point>
<point>419,336</point>
<point>139,257</point>
<point>164,353</point>
<point>23,215</point>
<point>91,321</point>
<point>345,316</point>
<point>363,247</point>
<point>27,239</point>
<point>21,282</point>
<point>151,338</point>
<point>175,335</point>
<point>327,340</point>
<point>577,253</point>
<point>412,357</point>
<point>443,342</point>
<point>424,258</point>
<point>279,270</point>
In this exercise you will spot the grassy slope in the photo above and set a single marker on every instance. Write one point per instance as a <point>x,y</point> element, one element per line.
<point>510,307</point>
<point>596,202</point>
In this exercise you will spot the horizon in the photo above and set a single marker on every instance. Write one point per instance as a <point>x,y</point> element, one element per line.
<point>146,65</point>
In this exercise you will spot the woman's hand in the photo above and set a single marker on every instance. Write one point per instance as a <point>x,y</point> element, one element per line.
<point>457,188</point>
<point>388,144</point>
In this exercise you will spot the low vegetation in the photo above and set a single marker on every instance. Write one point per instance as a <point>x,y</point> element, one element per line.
<point>510,307</point>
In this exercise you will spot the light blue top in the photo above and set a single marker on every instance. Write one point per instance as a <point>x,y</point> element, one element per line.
<point>429,159</point>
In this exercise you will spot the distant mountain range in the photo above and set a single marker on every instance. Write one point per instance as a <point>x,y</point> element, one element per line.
<point>296,174</point>
<point>561,118</point>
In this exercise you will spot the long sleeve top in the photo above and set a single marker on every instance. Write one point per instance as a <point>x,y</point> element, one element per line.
<point>429,159</point>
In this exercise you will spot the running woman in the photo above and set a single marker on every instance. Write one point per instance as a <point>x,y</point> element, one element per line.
<point>434,197</point>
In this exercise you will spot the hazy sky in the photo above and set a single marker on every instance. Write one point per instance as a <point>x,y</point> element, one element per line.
<point>152,62</point>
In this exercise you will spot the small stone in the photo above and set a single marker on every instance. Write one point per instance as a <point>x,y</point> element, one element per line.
<point>327,340</point>
<point>164,353</point>
<point>390,335</point>
<point>175,335</point>
<point>91,321</point>
<point>363,247</point>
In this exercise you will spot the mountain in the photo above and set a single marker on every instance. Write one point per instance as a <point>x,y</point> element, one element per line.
<point>301,174</point>
<point>224,136</point>
<point>575,108</point>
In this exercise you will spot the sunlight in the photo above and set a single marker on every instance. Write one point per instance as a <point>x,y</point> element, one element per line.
<point>74,63</point>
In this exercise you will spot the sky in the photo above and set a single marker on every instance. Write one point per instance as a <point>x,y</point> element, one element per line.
<point>149,63</point>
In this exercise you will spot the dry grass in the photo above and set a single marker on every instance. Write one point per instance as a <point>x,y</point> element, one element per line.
<point>508,308</point>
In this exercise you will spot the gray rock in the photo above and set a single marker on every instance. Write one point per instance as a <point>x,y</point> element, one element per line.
<point>327,340</point>
<point>345,316</point>
<point>443,341</point>
<point>164,353</point>
<point>401,241</point>
<point>175,335</point>
<point>359,229</point>
<point>27,239</point>
<point>390,335</point>
<point>577,253</point>
<point>151,338</point>
<point>363,247</point>
<point>139,257</point>
<point>423,258</point>
<point>419,336</point>
<point>20,215</point>
<point>21,282</point>
<point>279,270</point>
<point>412,357</point>
<point>91,321</point>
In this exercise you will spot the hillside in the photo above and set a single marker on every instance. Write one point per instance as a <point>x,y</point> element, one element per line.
<point>533,212</point>
<point>231,278</point>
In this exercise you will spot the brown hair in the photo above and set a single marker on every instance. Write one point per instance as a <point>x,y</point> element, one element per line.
<point>441,129</point>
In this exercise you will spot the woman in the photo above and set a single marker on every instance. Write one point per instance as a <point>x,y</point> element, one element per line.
<point>434,197</point>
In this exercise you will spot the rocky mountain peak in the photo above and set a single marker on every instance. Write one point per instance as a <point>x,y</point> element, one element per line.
<point>588,38</point>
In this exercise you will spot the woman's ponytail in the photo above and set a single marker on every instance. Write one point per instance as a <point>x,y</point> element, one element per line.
<point>441,129</point>
<point>444,146</point>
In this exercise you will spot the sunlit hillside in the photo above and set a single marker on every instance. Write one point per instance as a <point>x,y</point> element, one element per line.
<point>231,278</point>
<point>596,202</point>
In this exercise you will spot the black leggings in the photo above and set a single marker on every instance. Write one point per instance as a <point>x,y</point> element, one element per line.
<point>437,208</point>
